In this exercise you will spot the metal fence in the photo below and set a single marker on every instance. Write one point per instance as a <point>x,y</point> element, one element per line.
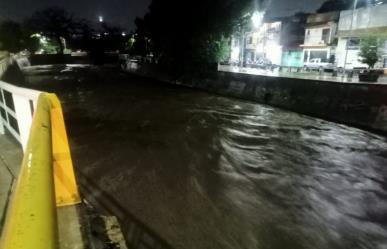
<point>17,106</point>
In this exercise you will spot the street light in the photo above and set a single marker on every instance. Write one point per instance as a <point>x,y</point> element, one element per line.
<point>257,18</point>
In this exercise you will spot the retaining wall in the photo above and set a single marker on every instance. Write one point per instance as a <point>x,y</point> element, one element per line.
<point>356,104</point>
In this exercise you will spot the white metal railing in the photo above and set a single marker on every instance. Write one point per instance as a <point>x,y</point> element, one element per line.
<point>16,107</point>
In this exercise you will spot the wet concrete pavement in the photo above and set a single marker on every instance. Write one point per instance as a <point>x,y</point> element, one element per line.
<point>308,75</point>
<point>204,171</point>
<point>11,156</point>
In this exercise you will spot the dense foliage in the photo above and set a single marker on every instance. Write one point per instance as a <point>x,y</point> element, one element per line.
<point>54,23</point>
<point>53,29</point>
<point>369,51</point>
<point>14,38</point>
<point>190,35</point>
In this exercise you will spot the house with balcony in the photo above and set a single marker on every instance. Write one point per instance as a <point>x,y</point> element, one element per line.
<point>320,37</point>
<point>356,25</point>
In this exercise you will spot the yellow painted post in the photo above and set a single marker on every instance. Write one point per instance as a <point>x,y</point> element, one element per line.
<point>31,219</point>
<point>46,178</point>
<point>66,190</point>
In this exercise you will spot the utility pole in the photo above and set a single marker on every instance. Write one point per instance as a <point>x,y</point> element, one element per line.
<point>242,48</point>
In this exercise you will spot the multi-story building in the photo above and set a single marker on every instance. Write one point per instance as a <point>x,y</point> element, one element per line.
<point>320,37</point>
<point>358,24</point>
<point>277,40</point>
<point>264,43</point>
<point>292,36</point>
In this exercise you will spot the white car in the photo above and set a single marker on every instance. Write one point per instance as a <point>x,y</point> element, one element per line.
<point>318,64</point>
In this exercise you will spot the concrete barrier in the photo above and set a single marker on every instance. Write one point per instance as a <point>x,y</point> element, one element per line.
<point>355,104</point>
<point>46,178</point>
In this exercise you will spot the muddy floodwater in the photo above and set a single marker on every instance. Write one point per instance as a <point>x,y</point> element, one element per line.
<point>205,171</point>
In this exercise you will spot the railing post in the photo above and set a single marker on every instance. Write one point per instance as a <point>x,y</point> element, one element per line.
<point>2,128</point>
<point>2,131</point>
<point>23,117</point>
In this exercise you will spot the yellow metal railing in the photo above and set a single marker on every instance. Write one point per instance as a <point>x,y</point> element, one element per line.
<point>46,180</point>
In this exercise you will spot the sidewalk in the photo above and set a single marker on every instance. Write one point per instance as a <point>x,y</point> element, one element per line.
<point>11,156</point>
<point>300,75</point>
<point>72,220</point>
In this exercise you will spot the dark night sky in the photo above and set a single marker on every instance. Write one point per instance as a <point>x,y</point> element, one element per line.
<point>123,12</point>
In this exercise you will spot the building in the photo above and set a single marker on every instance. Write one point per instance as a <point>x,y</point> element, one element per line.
<point>292,36</point>
<point>264,43</point>
<point>277,40</point>
<point>365,22</point>
<point>320,37</point>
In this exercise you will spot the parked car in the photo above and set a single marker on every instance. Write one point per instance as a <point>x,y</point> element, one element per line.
<point>319,64</point>
<point>262,63</point>
<point>229,63</point>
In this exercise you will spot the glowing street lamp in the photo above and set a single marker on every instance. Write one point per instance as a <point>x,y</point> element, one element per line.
<point>100,18</point>
<point>257,19</point>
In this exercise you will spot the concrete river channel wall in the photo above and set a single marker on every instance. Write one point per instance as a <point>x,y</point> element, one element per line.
<point>362,105</point>
<point>357,104</point>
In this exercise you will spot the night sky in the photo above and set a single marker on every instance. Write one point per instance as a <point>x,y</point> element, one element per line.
<point>123,12</point>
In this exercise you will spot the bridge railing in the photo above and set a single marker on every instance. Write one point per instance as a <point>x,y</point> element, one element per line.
<point>46,179</point>
<point>17,107</point>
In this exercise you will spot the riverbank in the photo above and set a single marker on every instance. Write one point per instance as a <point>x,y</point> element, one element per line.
<point>361,105</point>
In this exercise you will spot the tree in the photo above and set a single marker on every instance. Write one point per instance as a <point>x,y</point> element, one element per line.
<point>112,37</point>
<point>190,35</point>
<point>82,35</point>
<point>14,38</point>
<point>11,36</point>
<point>54,23</point>
<point>335,5</point>
<point>369,51</point>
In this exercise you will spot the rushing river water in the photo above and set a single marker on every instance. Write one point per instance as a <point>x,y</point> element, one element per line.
<point>204,171</point>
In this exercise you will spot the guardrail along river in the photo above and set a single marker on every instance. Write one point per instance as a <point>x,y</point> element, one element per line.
<point>204,171</point>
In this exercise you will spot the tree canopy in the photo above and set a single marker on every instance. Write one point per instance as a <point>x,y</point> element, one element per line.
<point>369,51</point>
<point>55,23</point>
<point>190,34</point>
<point>11,36</point>
<point>14,38</point>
